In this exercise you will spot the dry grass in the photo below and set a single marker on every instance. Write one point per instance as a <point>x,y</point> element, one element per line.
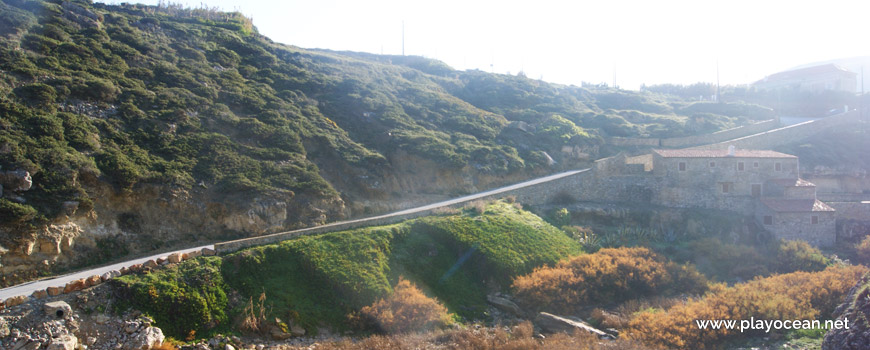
<point>406,310</point>
<point>518,337</point>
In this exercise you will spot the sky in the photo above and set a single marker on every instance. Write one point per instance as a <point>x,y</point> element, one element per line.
<point>570,42</point>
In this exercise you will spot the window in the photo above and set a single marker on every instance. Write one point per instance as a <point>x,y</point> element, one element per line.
<point>740,166</point>
<point>682,166</point>
<point>712,164</point>
<point>755,164</point>
<point>777,166</point>
<point>768,220</point>
<point>756,190</point>
<point>726,187</point>
<point>815,219</point>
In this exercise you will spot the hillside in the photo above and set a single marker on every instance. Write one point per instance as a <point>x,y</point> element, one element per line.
<point>316,281</point>
<point>149,127</point>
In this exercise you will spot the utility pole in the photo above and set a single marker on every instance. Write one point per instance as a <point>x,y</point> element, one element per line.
<point>718,96</point>
<point>403,38</point>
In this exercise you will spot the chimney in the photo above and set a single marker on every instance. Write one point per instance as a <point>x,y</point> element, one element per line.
<point>731,151</point>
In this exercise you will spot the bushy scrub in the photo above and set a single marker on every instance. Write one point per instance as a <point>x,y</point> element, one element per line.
<point>607,276</point>
<point>798,295</point>
<point>406,310</point>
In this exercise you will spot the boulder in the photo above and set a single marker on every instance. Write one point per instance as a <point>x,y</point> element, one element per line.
<point>93,281</point>
<point>161,260</point>
<point>64,342</point>
<point>229,347</point>
<point>54,291</point>
<point>74,286</point>
<point>39,294</point>
<point>554,324</point>
<point>296,330</point>
<point>4,328</point>
<point>279,334</point>
<point>57,309</point>
<point>16,300</point>
<point>147,339</point>
<point>16,180</point>
<point>208,252</point>
<point>504,304</point>
<point>174,258</point>
<point>150,264</point>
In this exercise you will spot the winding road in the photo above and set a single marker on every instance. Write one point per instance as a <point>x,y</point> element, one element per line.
<point>29,287</point>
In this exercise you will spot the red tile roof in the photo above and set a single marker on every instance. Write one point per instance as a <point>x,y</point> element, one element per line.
<point>719,153</point>
<point>796,205</point>
<point>793,182</point>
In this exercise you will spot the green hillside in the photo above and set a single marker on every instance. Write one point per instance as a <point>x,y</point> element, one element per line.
<point>319,280</point>
<point>198,102</point>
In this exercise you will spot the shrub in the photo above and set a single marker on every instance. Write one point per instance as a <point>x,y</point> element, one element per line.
<point>610,275</point>
<point>794,256</point>
<point>798,295</point>
<point>862,250</point>
<point>406,310</point>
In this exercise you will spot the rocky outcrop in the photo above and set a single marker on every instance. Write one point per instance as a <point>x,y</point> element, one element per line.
<point>855,309</point>
<point>16,180</point>
<point>504,304</point>
<point>555,324</point>
<point>146,219</point>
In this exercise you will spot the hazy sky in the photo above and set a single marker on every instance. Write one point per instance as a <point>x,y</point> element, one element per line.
<point>570,42</point>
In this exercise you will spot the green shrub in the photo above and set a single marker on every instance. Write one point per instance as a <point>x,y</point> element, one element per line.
<point>188,297</point>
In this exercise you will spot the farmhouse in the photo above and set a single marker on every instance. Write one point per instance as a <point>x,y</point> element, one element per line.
<point>761,183</point>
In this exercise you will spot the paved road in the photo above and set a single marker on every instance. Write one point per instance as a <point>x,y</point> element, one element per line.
<point>30,287</point>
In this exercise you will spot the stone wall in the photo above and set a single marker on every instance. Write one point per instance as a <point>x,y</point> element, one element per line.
<point>694,140</point>
<point>799,226</point>
<point>720,136</point>
<point>776,137</point>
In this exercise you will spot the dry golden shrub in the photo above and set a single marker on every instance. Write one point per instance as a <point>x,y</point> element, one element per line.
<point>519,337</point>
<point>406,310</point>
<point>609,275</point>
<point>797,295</point>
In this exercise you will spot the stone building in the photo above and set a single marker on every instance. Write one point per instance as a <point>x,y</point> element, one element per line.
<point>813,79</point>
<point>761,183</point>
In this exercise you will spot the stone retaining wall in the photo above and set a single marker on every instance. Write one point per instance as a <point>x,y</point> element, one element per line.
<point>694,140</point>
<point>776,137</point>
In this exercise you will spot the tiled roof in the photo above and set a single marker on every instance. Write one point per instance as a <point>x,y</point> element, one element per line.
<point>720,153</point>
<point>793,182</point>
<point>795,205</point>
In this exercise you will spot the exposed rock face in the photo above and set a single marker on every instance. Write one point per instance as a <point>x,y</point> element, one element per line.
<point>16,180</point>
<point>857,335</point>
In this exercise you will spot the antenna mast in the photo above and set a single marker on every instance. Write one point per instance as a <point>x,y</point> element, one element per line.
<point>403,38</point>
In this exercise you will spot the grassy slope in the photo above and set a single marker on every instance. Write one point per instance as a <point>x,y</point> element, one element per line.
<point>319,280</point>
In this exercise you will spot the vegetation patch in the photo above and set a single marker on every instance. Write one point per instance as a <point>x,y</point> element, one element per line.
<point>607,276</point>
<point>187,299</point>
<point>798,295</point>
